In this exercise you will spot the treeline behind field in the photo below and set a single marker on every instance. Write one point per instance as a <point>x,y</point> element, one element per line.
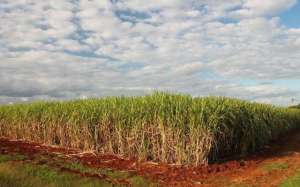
<point>295,106</point>
<point>159,127</point>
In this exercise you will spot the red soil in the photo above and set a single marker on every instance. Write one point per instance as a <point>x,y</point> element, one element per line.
<point>247,171</point>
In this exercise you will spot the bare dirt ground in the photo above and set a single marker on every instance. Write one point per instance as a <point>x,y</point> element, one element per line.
<point>268,168</point>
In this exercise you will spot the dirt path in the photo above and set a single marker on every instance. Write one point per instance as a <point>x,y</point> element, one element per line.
<point>268,168</point>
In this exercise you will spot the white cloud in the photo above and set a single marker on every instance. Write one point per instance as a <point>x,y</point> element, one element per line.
<point>72,49</point>
<point>254,8</point>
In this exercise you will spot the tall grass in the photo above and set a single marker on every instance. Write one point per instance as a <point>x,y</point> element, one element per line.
<point>160,127</point>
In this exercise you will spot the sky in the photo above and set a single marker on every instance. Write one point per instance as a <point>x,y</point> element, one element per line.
<point>68,49</point>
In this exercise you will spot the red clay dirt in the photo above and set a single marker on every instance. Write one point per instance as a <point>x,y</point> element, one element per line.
<point>249,171</point>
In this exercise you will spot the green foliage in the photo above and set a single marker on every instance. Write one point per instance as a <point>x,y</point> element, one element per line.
<point>49,174</point>
<point>5,158</point>
<point>28,175</point>
<point>14,157</point>
<point>293,181</point>
<point>160,127</point>
<point>111,174</point>
<point>275,166</point>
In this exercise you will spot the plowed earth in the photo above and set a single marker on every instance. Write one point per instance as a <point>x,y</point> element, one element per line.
<point>268,168</point>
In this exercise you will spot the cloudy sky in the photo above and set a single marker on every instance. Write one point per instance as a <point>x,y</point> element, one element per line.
<point>62,49</point>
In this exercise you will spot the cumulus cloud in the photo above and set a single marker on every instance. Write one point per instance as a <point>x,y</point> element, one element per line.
<point>254,8</point>
<point>77,49</point>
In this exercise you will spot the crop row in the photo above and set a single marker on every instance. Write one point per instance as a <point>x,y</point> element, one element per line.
<point>160,127</point>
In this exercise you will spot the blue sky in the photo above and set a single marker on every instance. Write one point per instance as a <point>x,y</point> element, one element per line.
<point>66,49</point>
<point>291,18</point>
